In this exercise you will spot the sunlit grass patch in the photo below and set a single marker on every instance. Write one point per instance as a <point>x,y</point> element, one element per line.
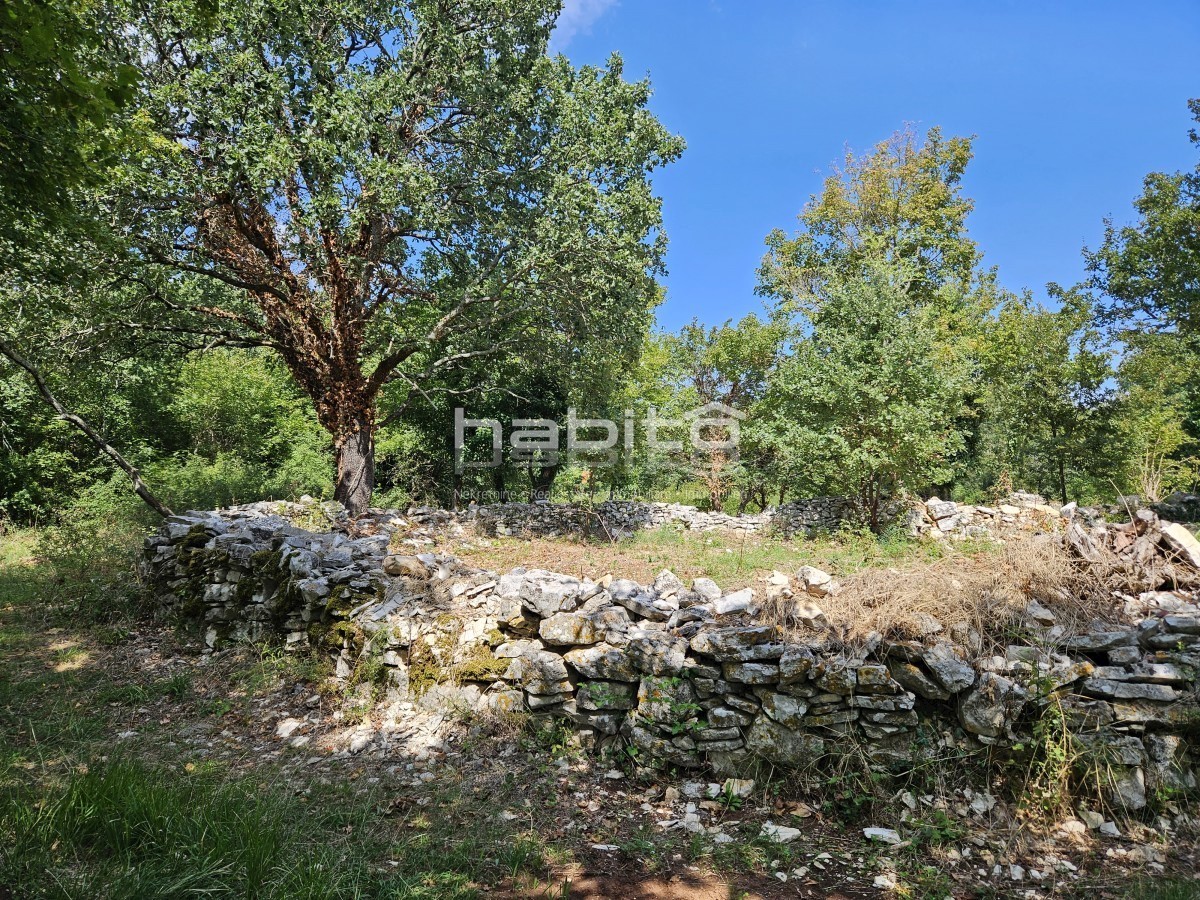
<point>129,830</point>
<point>733,560</point>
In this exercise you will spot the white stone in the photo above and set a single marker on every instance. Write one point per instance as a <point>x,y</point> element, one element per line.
<point>738,787</point>
<point>815,581</point>
<point>738,601</point>
<point>781,834</point>
<point>882,835</point>
<point>1183,542</point>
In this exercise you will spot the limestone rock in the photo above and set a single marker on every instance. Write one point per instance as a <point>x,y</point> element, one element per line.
<point>606,723</point>
<point>1182,624</point>
<point>539,672</point>
<point>808,614</point>
<point>784,746</point>
<point>1129,789</point>
<point>666,701</point>
<point>875,679</point>
<point>667,583</point>
<point>780,834</point>
<point>746,644</point>
<point>546,593</point>
<point>731,604</point>
<point>990,708</point>
<point>643,604</point>
<point>751,672</point>
<point>568,629</point>
<point>624,588</point>
<point>408,566</point>
<point>1097,641</point>
<point>948,668</point>
<point>882,835</point>
<point>837,678</point>
<point>941,509</point>
<point>602,662</point>
<point>724,717</point>
<point>1107,689</point>
<point>795,664</point>
<point>913,679</point>
<point>605,695</point>
<point>787,711</point>
<point>1086,715</point>
<point>1038,614</point>
<point>1168,768</point>
<point>657,653</point>
<point>1182,543</point>
<point>1113,748</point>
<point>815,581</point>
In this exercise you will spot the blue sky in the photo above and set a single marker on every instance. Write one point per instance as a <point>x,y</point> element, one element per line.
<point>1071,104</point>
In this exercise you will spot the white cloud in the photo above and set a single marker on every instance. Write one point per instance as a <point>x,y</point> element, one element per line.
<point>577,17</point>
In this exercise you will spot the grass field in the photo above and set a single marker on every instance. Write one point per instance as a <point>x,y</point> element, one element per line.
<point>732,560</point>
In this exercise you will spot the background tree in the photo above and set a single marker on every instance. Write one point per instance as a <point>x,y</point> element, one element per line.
<point>899,207</point>
<point>867,405</point>
<point>1147,276</point>
<point>64,75</point>
<point>1049,398</point>
<point>901,202</point>
<point>1155,416</point>
<point>1149,273</point>
<point>379,192</point>
<point>728,364</point>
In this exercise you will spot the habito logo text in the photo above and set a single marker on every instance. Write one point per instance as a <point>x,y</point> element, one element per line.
<point>711,429</point>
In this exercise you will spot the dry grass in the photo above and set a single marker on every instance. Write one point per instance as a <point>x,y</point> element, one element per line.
<point>987,593</point>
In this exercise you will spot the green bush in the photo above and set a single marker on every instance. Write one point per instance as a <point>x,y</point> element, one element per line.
<point>90,553</point>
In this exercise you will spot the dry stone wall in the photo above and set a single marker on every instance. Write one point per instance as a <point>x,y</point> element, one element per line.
<point>688,674</point>
<point>622,517</point>
<point>619,518</point>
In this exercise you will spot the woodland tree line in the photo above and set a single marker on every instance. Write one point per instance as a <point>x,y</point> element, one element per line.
<point>260,249</point>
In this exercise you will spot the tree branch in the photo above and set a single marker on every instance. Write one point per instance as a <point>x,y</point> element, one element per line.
<point>82,424</point>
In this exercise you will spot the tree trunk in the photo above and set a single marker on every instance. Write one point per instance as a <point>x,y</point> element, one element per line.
<point>541,482</point>
<point>355,448</point>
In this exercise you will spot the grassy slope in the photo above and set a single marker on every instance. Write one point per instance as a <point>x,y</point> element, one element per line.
<point>78,820</point>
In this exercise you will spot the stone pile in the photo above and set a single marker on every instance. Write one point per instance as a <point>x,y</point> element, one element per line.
<point>689,674</point>
<point>1019,512</point>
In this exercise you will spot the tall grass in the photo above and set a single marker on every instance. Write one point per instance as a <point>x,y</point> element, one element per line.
<point>130,830</point>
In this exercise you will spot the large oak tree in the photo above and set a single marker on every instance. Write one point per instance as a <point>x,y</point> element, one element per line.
<point>382,192</point>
